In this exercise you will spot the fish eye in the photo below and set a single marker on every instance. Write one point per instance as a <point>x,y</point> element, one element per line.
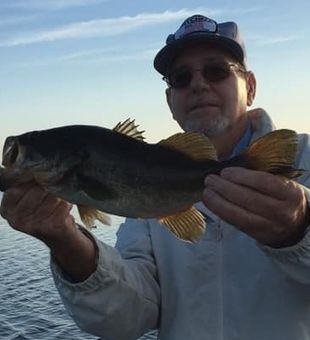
<point>10,151</point>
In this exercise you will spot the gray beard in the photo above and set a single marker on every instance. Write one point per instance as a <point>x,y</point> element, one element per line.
<point>215,127</point>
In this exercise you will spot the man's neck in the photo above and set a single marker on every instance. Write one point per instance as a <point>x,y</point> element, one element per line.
<point>226,142</point>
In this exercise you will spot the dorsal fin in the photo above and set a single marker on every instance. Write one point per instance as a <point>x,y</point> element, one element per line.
<point>129,128</point>
<point>193,144</point>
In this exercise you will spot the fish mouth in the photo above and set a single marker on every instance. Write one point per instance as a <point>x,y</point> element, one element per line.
<point>21,168</point>
<point>11,151</point>
<point>12,174</point>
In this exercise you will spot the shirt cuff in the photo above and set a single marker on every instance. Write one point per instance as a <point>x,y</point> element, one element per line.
<point>294,252</point>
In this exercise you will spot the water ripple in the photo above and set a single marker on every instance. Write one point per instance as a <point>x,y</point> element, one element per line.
<point>30,307</point>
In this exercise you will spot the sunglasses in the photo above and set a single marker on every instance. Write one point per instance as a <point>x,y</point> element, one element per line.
<point>213,72</point>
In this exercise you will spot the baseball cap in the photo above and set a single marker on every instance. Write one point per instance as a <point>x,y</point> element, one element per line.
<point>200,28</point>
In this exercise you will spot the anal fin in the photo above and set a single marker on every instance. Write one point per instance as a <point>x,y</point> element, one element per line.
<point>188,225</point>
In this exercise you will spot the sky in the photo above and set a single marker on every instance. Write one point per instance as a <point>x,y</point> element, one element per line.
<point>91,61</point>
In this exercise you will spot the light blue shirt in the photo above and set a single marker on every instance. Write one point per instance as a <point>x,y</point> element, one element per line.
<point>224,287</point>
<point>243,143</point>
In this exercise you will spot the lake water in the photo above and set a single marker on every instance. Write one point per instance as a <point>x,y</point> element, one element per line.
<point>30,306</point>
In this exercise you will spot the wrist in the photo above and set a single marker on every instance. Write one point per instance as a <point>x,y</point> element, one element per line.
<point>294,238</point>
<point>78,258</point>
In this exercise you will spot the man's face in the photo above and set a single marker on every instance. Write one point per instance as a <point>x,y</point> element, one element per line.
<point>211,107</point>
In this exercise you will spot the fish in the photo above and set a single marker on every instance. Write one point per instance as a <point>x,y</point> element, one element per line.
<point>115,171</point>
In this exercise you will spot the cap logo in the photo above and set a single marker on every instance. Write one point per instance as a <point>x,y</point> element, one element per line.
<point>196,23</point>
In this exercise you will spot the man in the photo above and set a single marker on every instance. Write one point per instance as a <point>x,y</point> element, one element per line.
<point>249,275</point>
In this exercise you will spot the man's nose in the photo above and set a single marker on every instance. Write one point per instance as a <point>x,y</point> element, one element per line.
<point>198,80</point>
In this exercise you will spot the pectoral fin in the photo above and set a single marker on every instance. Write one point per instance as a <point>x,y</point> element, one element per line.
<point>89,215</point>
<point>188,225</point>
<point>95,189</point>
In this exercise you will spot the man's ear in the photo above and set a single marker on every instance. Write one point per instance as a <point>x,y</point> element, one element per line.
<point>251,87</point>
<point>169,100</point>
<point>168,97</point>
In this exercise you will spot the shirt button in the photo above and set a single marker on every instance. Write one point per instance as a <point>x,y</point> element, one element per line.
<point>218,234</point>
<point>214,234</point>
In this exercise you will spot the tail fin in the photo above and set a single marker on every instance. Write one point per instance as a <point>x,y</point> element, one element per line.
<point>275,153</point>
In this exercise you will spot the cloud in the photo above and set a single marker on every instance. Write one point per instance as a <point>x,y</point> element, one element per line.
<point>262,40</point>
<point>87,54</point>
<point>280,40</point>
<point>93,56</point>
<point>17,20</point>
<point>146,54</point>
<point>247,10</point>
<point>107,26</point>
<point>102,27</point>
<point>47,4</point>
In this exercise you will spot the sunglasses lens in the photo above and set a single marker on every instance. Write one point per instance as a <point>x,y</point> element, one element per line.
<point>213,72</point>
<point>180,78</point>
<point>216,71</point>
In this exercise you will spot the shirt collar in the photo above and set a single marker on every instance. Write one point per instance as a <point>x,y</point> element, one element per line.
<point>243,142</point>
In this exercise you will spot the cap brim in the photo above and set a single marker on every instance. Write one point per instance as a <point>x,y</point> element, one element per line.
<point>167,54</point>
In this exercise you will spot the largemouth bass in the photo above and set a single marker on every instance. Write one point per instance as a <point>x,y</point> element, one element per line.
<point>115,171</point>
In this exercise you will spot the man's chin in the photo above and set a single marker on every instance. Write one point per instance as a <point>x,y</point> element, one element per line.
<point>209,128</point>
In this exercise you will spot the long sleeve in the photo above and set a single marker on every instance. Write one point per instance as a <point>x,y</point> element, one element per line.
<point>120,300</point>
<point>295,260</point>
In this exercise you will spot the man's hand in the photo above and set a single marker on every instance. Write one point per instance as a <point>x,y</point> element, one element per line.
<point>31,209</point>
<point>271,209</point>
<point>34,211</point>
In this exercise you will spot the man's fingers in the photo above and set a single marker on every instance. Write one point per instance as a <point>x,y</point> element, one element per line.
<point>263,182</point>
<point>243,197</point>
<point>47,207</point>
<point>273,212</point>
<point>31,209</point>
<point>60,212</point>
<point>244,220</point>
<point>12,197</point>
<point>55,224</point>
<point>31,201</point>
